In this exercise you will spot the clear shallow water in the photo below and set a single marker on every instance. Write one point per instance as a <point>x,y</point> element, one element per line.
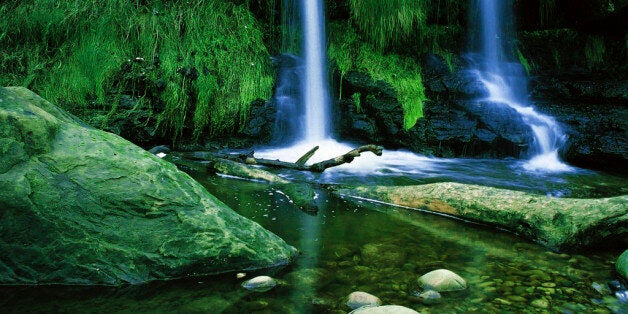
<point>358,246</point>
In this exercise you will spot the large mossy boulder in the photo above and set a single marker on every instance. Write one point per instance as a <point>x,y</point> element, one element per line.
<point>82,206</point>
<point>558,223</point>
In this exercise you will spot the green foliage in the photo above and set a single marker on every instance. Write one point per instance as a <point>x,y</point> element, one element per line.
<point>223,43</point>
<point>385,22</point>
<point>402,73</point>
<point>357,101</point>
<point>547,11</point>
<point>71,51</point>
<point>523,60</point>
<point>427,26</point>
<point>594,50</point>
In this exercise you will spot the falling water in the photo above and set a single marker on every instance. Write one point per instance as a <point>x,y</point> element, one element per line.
<point>301,95</point>
<point>506,84</point>
<point>316,95</point>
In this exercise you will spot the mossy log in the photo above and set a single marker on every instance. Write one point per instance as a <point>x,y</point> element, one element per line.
<point>558,223</point>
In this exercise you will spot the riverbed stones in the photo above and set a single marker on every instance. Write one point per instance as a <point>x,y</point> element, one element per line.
<point>430,297</point>
<point>442,280</point>
<point>382,255</point>
<point>558,223</point>
<point>622,264</point>
<point>85,207</point>
<point>385,309</point>
<point>359,299</point>
<point>260,284</point>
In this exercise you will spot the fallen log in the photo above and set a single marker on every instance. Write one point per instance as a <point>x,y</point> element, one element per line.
<point>248,158</point>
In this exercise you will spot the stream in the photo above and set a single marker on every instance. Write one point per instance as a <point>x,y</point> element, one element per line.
<point>360,246</point>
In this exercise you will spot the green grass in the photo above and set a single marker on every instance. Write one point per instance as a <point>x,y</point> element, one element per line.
<point>523,60</point>
<point>594,50</point>
<point>383,22</point>
<point>72,51</point>
<point>547,11</point>
<point>349,52</point>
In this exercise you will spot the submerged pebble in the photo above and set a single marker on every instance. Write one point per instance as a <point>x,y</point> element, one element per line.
<point>359,299</point>
<point>260,284</point>
<point>442,280</point>
<point>430,297</point>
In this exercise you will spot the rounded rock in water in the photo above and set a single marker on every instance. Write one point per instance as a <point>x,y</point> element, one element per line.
<point>260,284</point>
<point>359,299</point>
<point>622,264</point>
<point>442,280</point>
<point>385,309</point>
<point>430,297</point>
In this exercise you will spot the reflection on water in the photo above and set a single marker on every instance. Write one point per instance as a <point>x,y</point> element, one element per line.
<point>352,246</point>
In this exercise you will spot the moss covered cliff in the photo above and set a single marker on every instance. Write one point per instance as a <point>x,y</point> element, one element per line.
<point>161,70</point>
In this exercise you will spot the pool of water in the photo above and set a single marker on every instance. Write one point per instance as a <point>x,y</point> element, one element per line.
<point>359,246</point>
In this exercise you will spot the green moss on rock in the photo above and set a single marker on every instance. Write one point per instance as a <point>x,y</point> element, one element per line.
<point>558,223</point>
<point>88,207</point>
<point>622,264</point>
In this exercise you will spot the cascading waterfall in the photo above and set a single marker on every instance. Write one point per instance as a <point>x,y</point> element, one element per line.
<point>302,96</point>
<point>315,87</point>
<point>507,85</point>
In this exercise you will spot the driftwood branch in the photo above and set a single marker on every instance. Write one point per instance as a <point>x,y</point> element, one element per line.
<point>248,158</point>
<point>307,156</point>
<point>321,166</point>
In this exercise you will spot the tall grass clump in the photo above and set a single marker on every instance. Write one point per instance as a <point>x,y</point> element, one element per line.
<point>220,43</point>
<point>64,50</point>
<point>210,53</point>
<point>350,53</point>
<point>383,22</point>
<point>547,11</point>
<point>594,50</point>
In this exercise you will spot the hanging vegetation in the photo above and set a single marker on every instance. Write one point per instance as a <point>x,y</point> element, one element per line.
<point>383,23</point>
<point>210,53</point>
<point>350,53</point>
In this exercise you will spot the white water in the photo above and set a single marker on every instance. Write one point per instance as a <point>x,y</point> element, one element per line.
<point>316,122</point>
<point>548,136</point>
<point>315,90</point>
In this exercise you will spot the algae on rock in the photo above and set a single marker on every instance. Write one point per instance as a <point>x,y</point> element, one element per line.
<point>82,206</point>
<point>558,223</point>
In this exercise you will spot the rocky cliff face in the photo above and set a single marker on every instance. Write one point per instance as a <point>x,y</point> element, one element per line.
<point>82,206</point>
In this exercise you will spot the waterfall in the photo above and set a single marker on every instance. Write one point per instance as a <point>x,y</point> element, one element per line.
<point>315,87</point>
<point>506,83</point>
<point>302,96</point>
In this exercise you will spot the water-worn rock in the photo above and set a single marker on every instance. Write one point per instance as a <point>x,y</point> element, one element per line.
<point>559,223</point>
<point>260,284</point>
<point>442,280</point>
<point>359,299</point>
<point>82,206</point>
<point>622,264</point>
<point>385,309</point>
<point>453,123</point>
<point>430,297</point>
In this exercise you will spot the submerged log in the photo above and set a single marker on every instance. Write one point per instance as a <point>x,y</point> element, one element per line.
<point>558,223</point>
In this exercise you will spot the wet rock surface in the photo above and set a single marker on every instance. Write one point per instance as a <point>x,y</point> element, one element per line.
<point>454,124</point>
<point>559,223</point>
